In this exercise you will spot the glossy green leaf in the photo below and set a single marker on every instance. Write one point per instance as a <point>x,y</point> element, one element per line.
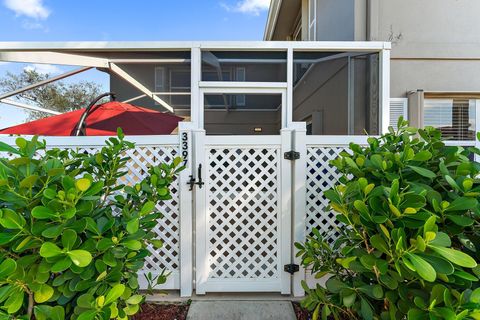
<point>114,293</point>
<point>7,267</point>
<point>462,203</point>
<point>41,212</point>
<point>69,237</point>
<point>455,256</point>
<point>49,250</point>
<point>43,293</point>
<point>80,258</point>
<point>423,172</point>
<point>423,268</point>
<point>10,219</point>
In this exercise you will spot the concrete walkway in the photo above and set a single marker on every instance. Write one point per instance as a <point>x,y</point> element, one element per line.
<point>241,310</point>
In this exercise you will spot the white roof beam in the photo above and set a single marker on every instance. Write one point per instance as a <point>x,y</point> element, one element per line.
<point>44,82</point>
<point>127,77</point>
<point>48,57</point>
<point>29,107</point>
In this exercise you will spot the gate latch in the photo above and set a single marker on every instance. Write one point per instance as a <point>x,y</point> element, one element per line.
<point>291,155</point>
<point>291,268</point>
<point>192,182</point>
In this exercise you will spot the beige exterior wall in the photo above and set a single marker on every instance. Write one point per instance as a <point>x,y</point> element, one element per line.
<point>435,43</point>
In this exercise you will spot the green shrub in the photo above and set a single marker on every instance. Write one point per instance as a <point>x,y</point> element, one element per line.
<point>409,240</point>
<point>72,236</point>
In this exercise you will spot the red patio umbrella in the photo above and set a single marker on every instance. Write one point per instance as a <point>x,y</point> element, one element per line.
<point>103,120</point>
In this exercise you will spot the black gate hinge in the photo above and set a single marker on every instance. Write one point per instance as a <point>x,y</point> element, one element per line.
<point>291,268</point>
<point>291,155</point>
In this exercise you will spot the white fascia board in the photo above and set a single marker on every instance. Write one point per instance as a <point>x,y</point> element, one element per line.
<point>187,45</point>
<point>273,12</point>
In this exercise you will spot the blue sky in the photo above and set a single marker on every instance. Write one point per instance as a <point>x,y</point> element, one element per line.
<point>123,20</point>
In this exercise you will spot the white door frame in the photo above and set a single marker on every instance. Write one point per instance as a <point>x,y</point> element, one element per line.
<point>284,213</point>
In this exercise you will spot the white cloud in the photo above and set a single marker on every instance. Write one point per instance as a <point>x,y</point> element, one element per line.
<point>248,6</point>
<point>43,68</point>
<point>30,8</point>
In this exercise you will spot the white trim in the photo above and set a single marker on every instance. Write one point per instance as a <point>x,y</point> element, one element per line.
<point>244,141</point>
<point>272,18</point>
<point>384,90</point>
<point>94,141</point>
<point>187,45</point>
<point>163,61</point>
<point>242,85</point>
<point>333,141</point>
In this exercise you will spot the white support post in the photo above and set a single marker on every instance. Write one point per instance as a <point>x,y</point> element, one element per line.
<point>285,218</point>
<point>185,204</point>
<point>200,205</point>
<point>299,194</point>
<point>385,88</point>
<point>288,108</point>
<point>127,77</point>
<point>196,112</point>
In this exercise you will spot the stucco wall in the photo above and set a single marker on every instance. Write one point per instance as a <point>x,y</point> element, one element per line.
<point>435,44</point>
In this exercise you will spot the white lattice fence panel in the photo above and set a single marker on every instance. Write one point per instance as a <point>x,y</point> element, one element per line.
<point>243,215</point>
<point>141,158</point>
<point>321,176</point>
<point>167,229</point>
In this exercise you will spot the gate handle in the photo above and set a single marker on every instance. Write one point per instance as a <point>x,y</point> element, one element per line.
<point>193,181</point>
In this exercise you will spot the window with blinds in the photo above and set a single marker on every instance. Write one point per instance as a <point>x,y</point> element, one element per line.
<point>455,118</point>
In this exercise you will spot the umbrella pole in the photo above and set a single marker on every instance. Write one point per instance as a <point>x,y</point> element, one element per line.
<point>80,129</point>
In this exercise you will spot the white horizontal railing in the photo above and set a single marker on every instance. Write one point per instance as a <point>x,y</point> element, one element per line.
<point>94,141</point>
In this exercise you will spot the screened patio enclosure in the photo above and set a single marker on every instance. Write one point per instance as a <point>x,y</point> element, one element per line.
<point>261,120</point>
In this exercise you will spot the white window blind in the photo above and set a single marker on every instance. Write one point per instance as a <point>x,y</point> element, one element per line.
<point>398,108</point>
<point>455,118</point>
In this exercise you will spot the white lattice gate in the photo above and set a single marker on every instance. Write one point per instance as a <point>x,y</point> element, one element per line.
<point>243,227</point>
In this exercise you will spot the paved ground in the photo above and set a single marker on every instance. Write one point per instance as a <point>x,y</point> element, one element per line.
<point>241,310</point>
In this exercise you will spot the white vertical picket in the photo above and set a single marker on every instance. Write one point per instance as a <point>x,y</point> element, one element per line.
<point>200,205</point>
<point>286,209</point>
<point>299,190</point>
<point>185,204</point>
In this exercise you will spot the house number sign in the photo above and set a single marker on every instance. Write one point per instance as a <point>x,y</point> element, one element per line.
<point>185,148</point>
